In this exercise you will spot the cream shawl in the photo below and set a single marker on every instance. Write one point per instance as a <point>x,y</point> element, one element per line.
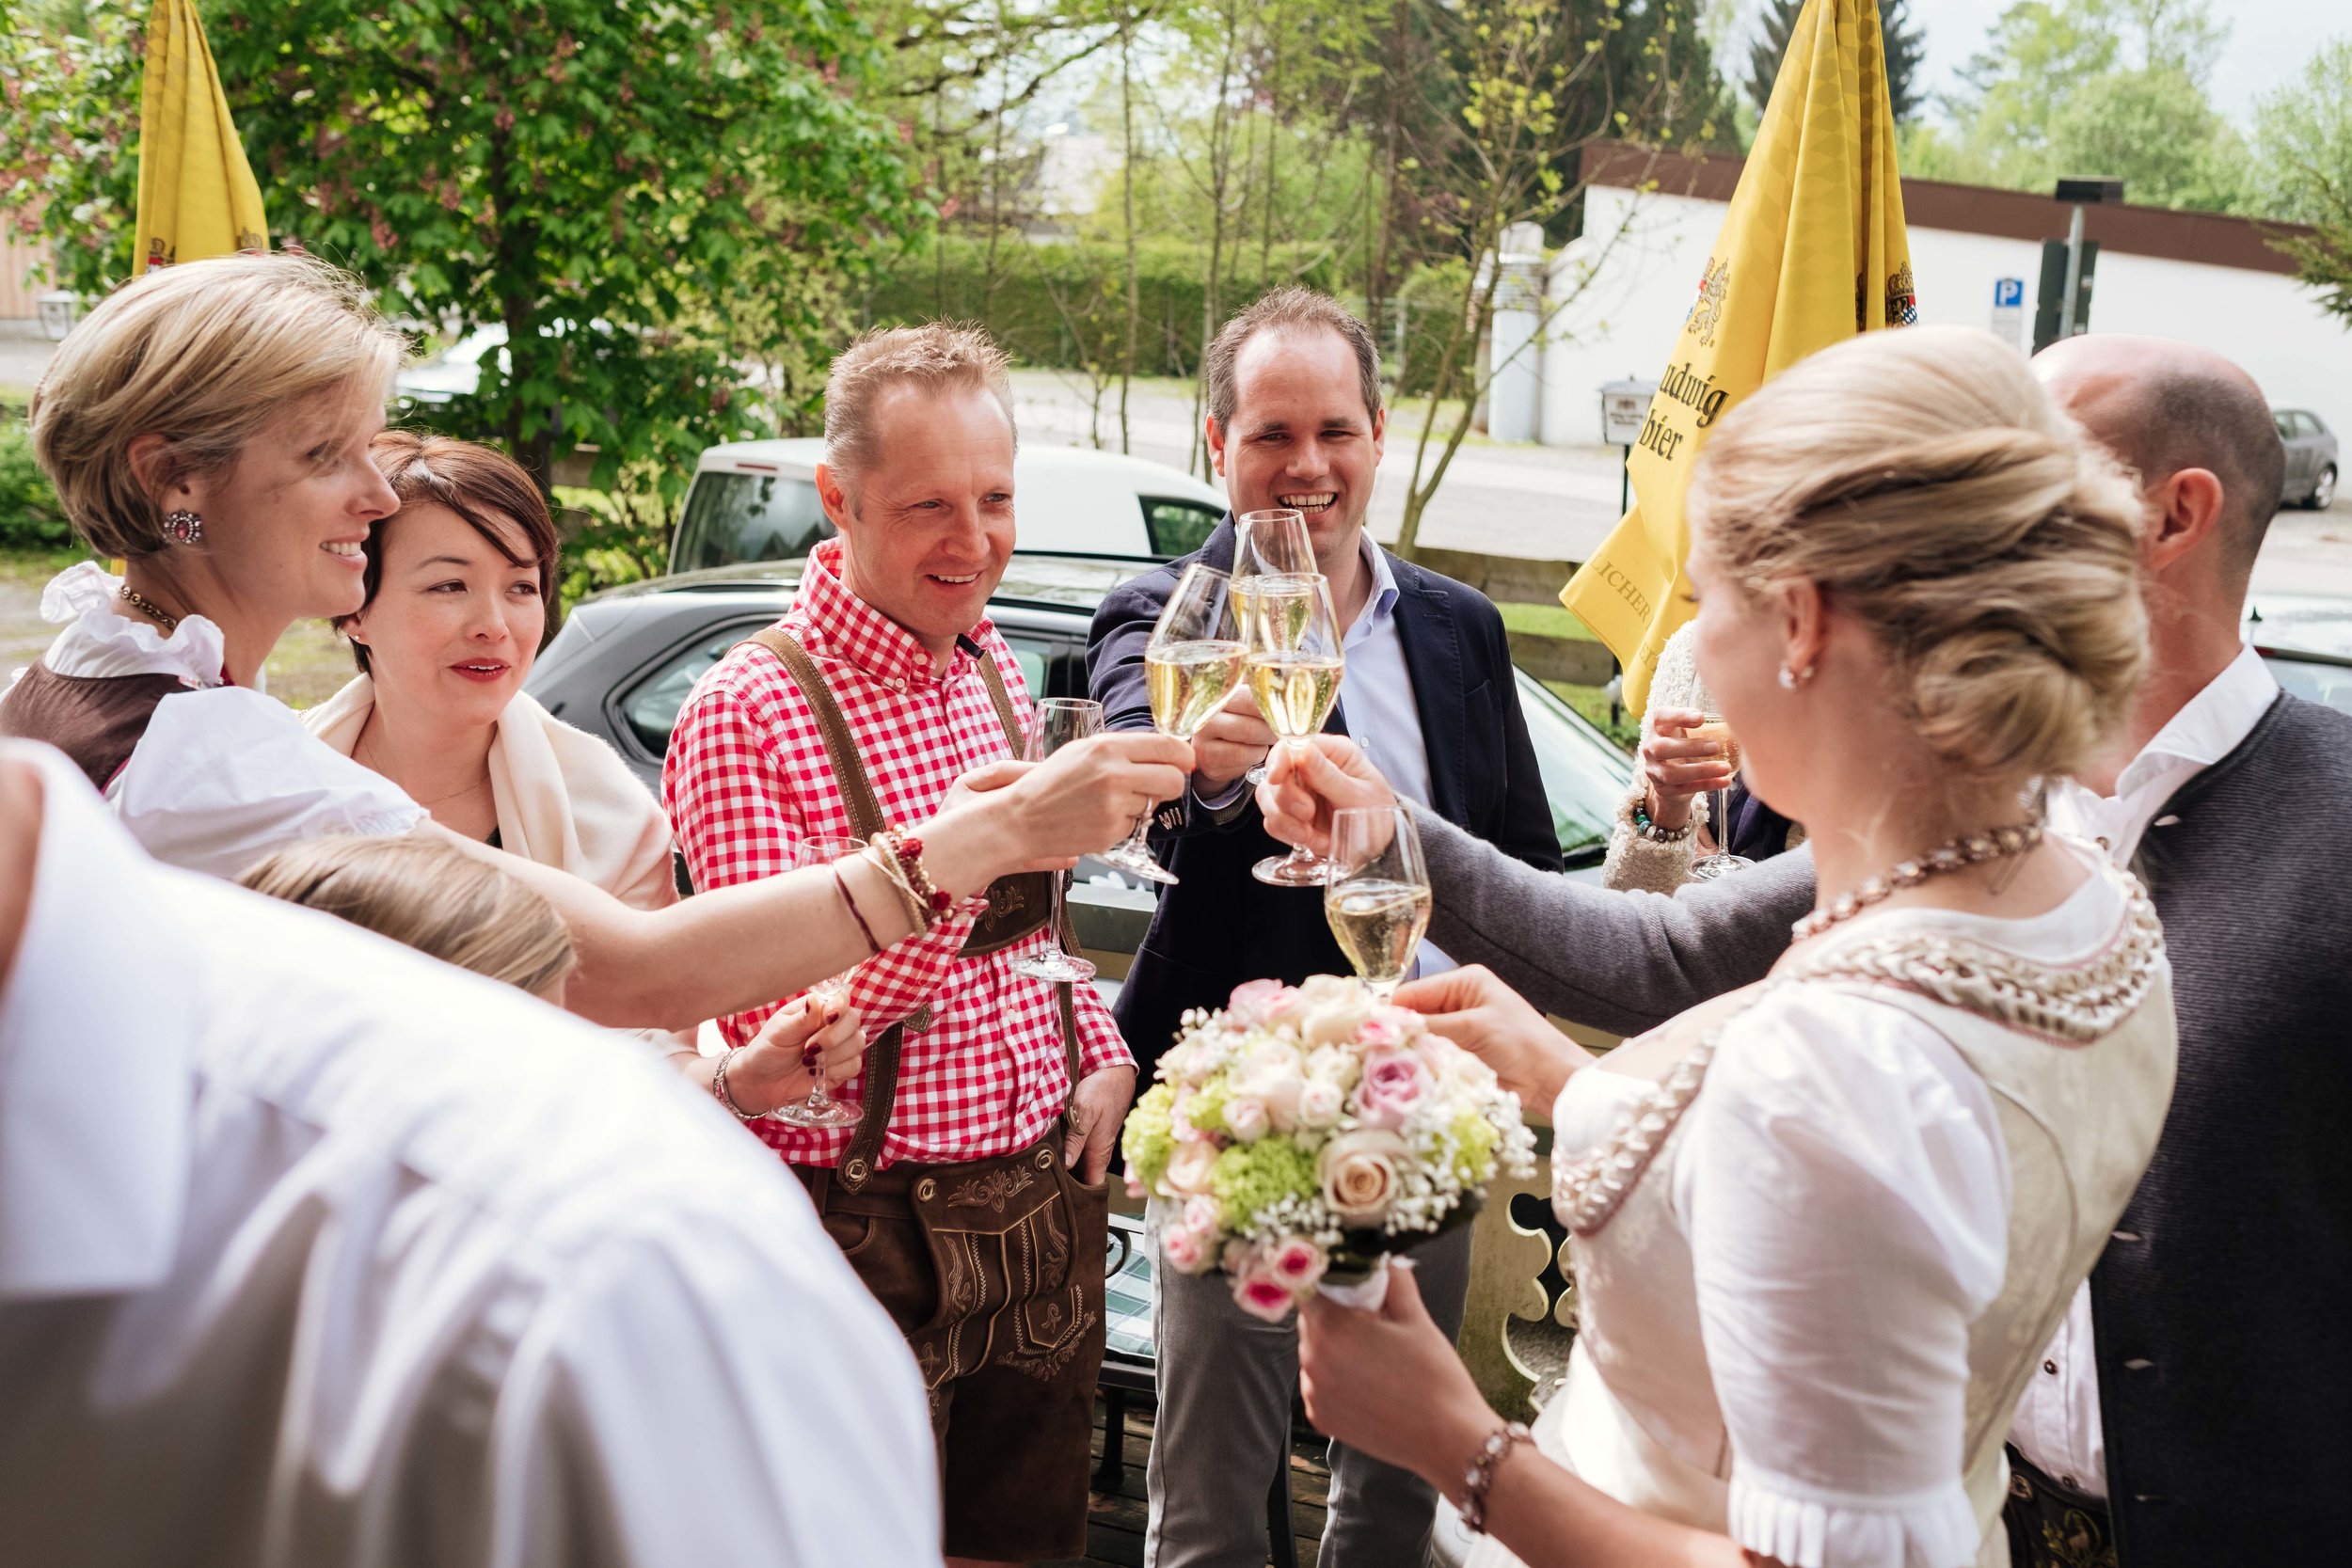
<point>564,798</point>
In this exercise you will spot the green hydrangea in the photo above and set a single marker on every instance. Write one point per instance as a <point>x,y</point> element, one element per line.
<point>1205,1107</point>
<point>1474,1140</point>
<point>1251,1177</point>
<point>1149,1136</point>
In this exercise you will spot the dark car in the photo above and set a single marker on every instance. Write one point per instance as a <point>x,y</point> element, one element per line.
<point>2312,459</point>
<point>622,664</point>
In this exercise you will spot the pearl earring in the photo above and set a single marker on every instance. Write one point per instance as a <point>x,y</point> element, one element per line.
<point>1791,679</point>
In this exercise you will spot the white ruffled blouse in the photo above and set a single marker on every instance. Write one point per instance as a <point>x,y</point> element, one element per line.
<point>1843,1190</point>
<point>98,645</point>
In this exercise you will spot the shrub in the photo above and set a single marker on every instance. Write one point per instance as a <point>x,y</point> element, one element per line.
<point>31,518</point>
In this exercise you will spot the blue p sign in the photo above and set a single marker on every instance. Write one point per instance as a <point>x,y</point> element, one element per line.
<point>2008,294</point>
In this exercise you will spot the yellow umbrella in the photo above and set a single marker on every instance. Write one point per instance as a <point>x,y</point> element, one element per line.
<point>197,192</point>
<point>1812,251</point>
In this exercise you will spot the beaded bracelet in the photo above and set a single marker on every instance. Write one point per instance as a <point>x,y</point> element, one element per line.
<point>1480,1476</point>
<point>1655,834</point>
<point>907,851</point>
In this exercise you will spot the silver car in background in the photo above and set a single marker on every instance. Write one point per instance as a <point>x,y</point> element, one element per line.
<point>2312,459</point>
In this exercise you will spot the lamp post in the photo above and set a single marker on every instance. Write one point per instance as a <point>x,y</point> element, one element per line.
<point>2081,193</point>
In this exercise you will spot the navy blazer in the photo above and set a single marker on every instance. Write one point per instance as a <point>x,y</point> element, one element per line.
<point>1219,926</point>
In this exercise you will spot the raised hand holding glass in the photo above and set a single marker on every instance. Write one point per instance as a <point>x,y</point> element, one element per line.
<point>1193,660</point>
<point>1056,722</point>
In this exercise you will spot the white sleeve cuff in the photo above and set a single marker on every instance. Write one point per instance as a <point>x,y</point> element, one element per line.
<point>1807,1527</point>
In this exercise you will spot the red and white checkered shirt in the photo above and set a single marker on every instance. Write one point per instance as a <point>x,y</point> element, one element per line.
<point>747,780</point>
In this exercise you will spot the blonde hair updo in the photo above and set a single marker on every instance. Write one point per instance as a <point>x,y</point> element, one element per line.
<point>1924,482</point>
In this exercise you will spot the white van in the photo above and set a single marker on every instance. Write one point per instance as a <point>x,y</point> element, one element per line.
<point>757,500</point>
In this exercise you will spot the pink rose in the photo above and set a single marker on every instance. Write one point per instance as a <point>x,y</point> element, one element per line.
<point>1246,1118</point>
<point>1297,1262</point>
<point>1203,1215</point>
<point>1395,1083</point>
<point>1262,1295</point>
<point>1253,1001</point>
<point>1184,1249</point>
<point>1379,1033</point>
<point>1358,1175</point>
<point>1190,1166</point>
<point>1320,1103</point>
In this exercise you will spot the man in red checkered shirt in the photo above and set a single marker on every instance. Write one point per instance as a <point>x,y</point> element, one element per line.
<point>970,1196</point>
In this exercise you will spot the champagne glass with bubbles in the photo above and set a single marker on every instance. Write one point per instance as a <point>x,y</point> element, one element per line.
<point>1377,899</point>
<point>1293,671</point>
<point>1272,546</point>
<point>1722,863</point>
<point>821,1109</point>
<point>1194,658</point>
<point>1056,722</point>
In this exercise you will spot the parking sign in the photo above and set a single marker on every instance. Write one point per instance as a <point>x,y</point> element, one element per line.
<point>2008,294</point>
<point>2009,310</point>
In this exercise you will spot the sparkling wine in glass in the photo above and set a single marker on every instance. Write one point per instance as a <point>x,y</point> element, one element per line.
<point>1377,898</point>
<point>1056,722</point>
<point>1269,544</point>
<point>1293,671</point>
<point>821,1109</point>
<point>1722,863</point>
<point>1193,660</point>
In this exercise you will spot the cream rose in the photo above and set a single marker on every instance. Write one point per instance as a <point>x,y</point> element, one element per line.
<point>1335,1064</point>
<point>1320,1103</point>
<point>1188,1168</point>
<point>1335,1022</point>
<point>1246,1117</point>
<point>1358,1175</point>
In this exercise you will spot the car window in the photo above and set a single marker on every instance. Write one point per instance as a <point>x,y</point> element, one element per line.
<point>1177,527</point>
<point>734,517</point>
<point>650,709</point>
<point>1036,655</point>
<point>2304,423</point>
<point>2285,423</point>
<point>1585,777</point>
<point>2313,680</point>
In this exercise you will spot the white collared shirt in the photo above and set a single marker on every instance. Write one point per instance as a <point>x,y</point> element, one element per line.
<point>2057,1424</point>
<point>316,1251</point>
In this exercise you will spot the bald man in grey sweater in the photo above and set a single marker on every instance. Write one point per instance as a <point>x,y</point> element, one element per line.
<point>2218,1390</point>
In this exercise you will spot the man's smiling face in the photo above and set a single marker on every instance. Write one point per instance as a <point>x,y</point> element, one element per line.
<point>1300,434</point>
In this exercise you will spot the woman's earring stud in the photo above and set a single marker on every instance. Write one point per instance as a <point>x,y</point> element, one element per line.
<point>183,528</point>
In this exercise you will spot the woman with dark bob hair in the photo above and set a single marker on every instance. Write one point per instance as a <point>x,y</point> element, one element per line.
<point>459,585</point>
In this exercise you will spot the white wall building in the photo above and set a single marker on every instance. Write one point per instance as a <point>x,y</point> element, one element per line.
<point>2202,277</point>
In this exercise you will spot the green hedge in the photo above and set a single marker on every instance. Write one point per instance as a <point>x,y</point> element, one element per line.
<point>30,516</point>
<point>1062,304</point>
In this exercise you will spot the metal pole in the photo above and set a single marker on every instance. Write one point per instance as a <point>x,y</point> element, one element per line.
<point>2074,271</point>
<point>1625,483</point>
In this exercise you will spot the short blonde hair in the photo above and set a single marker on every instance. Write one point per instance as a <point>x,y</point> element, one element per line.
<point>937,356</point>
<point>204,354</point>
<point>429,895</point>
<point>1922,480</point>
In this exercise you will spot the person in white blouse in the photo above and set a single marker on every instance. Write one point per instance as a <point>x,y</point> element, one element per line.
<point>1823,1226</point>
<point>242,504</point>
<point>295,1272</point>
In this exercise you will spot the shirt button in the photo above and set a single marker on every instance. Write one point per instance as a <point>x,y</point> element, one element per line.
<point>2070,1484</point>
<point>2051,1368</point>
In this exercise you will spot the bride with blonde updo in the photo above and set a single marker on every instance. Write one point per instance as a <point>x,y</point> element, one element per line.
<point>1822,1227</point>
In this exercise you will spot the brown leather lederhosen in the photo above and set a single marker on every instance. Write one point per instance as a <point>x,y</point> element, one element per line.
<point>1013,1243</point>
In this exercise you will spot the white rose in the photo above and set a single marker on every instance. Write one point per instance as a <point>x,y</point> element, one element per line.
<point>1335,1064</point>
<point>1320,1102</point>
<point>1335,1022</point>
<point>1246,1117</point>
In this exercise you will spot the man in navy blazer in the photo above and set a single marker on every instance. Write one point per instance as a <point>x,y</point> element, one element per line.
<point>1295,419</point>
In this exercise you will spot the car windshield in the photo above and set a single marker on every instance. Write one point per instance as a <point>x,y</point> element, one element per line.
<point>735,517</point>
<point>1584,775</point>
<point>2314,680</point>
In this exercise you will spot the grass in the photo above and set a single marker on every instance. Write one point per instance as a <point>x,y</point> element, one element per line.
<point>1544,619</point>
<point>1592,703</point>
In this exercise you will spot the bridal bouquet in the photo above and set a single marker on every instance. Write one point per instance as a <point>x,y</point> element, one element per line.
<point>1300,1130</point>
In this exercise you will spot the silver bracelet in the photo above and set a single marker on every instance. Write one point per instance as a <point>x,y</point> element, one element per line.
<point>719,1087</point>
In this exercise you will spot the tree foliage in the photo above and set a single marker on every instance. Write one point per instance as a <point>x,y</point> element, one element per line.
<point>1904,45</point>
<point>2303,161</point>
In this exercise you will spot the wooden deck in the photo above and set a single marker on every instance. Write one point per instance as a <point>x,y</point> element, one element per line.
<point>1115,1532</point>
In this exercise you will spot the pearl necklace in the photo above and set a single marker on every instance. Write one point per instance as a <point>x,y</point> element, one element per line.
<point>2080,1003</point>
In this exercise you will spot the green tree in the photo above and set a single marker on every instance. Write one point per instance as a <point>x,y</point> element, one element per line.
<point>1905,47</point>
<point>2303,168</point>
<point>635,192</point>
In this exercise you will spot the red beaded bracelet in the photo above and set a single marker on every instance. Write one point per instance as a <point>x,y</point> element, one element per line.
<point>908,850</point>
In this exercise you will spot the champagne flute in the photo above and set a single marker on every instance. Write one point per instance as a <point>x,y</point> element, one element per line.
<point>1293,671</point>
<point>1056,722</point>
<point>821,1109</point>
<point>1270,544</point>
<point>1377,899</point>
<point>1722,863</point>
<point>1194,658</point>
